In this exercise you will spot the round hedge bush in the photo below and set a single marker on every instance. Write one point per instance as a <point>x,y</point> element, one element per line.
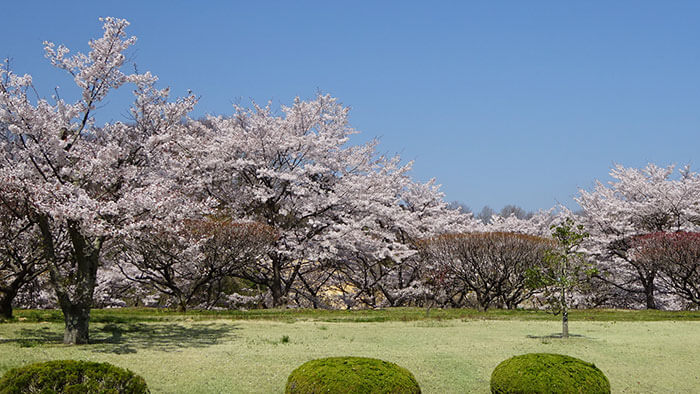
<point>351,375</point>
<point>70,376</point>
<point>548,373</point>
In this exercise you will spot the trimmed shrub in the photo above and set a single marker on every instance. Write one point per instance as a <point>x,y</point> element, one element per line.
<point>548,373</point>
<point>70,376</point>
<point>351,375</point>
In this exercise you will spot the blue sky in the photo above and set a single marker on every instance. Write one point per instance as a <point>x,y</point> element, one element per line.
<point>511,102</point>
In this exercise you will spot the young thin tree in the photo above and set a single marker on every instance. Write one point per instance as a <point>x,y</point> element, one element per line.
<point>564,270</point>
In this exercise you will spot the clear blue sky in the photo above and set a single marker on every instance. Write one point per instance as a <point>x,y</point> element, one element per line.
<point>503,102</point>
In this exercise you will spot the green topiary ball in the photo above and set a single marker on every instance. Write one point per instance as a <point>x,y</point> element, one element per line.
<point>351,375</point>
<point>548,373</point>
<point>70,376</point>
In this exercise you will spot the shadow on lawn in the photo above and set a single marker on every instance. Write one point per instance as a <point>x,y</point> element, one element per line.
<point>555,336</point>
<point>547,339</point>
<point>35,337</point>
<point>132,337</point>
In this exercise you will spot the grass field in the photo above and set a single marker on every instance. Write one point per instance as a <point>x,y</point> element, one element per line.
<point>453,351</point>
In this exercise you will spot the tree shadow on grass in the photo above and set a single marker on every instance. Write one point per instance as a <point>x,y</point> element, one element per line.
<point>555,336</point>
<point>166,337</point>
<point>132,337</point>
<point>547,339</point>
<point>35,337</point>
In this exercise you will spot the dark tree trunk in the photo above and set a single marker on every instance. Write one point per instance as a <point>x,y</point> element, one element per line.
<point>6,298</point>
<point>428,304</point>
<point>649,288</point>
<point>651,302</point>
<point>314,301</point>
<point>9,292</point>
<point>482,301</point>
<point>75,297</point>
<point>313,292</point>
<point>77,318</point>
<point>280,287</point>
<point>276,285</point>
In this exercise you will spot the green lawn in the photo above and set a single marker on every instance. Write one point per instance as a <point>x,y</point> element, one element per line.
<point>213,353</point>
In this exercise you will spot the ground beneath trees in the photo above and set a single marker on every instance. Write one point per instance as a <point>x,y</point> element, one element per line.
<point>199,355</point>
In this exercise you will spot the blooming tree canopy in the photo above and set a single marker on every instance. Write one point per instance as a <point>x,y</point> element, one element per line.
<point>297,174</point>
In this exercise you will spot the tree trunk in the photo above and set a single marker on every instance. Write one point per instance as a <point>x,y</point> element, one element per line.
<point>482,303</point>
<point>428,305</point>
<point>649,291</point>
<point>77,320</point>
<point>75,299</point>
<point>651,303</point>
<point>8,293</point>
<point>276,285</point>
<point>564,314</point>
<point>6,304</point>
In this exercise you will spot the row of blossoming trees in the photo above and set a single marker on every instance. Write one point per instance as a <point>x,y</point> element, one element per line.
<point>271,209</point>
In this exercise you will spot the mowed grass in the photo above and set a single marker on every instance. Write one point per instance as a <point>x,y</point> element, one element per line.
<point>217,353</point>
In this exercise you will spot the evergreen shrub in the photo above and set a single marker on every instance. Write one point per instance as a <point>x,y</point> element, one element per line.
<point>351,375</point>
<point>548,373</point>
<point>70,376</point>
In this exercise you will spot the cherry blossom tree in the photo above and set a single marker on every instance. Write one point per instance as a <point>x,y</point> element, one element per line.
<point>86,183</point>
<point>297,174</point>
<point>637,202</point>
<point>424,213</point>
<point>361,238</point>
<point>381,262</point>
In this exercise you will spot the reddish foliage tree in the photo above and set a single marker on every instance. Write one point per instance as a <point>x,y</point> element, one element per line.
<point>677,256</point>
